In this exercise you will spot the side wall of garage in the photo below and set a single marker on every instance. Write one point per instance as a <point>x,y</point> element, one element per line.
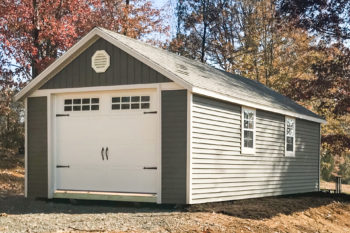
<point>37,147</point>
<point>220,172</point>
<point>174,146</point>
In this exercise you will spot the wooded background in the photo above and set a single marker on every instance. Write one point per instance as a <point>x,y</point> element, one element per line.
<point>299,48</point>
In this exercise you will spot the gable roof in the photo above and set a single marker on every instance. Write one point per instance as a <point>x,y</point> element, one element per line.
<point>195,76</point>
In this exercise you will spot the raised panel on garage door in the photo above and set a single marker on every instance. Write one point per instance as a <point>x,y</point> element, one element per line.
<point>111,145</point>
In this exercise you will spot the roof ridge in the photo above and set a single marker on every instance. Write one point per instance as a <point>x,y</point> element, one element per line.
<point>160,49</point>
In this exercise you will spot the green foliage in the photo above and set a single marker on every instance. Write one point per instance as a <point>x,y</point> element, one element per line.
<point>327,166</point>
<point>11,121</point>
<point>344,169</point>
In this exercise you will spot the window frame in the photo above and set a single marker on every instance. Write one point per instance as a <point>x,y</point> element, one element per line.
<point>130,102</point>
<point>289,153</point>
<point>248,150</point>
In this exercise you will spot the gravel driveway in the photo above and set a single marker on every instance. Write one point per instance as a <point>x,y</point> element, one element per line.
<point>20,215</point>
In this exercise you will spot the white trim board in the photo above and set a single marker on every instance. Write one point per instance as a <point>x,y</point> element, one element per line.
<point>189,149</point>
<point>162,86</point>
<point>26,147</point>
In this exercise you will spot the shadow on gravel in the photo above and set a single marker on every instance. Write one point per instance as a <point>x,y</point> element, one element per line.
<point>259,208</point>
<point>268,207</point>
<point>18,205</point>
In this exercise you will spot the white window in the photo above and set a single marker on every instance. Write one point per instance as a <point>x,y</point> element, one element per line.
<point>85,104</point>
<point>290,136</point>
<point>130,102</point>
<point>248,130</point>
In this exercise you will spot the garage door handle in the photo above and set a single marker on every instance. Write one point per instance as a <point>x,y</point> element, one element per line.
<point>107,153</point>
<point>151,112</point>
<point>150,168</point>
<point>103,149</point>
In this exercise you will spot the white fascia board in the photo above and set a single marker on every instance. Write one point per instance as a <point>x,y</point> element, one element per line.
<point>129,50</point>
<point>88,39</point>
<point>246,103</point>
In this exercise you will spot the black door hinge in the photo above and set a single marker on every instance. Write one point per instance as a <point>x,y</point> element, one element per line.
<point>62,166</point>
<point>150,168</point>
<point>61,115</point>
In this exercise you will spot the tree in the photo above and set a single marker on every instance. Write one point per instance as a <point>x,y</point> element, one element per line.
<point>11,120</point>
<point>34,33</point>
<point>193,28</point>
<point>329,19</point>
<point>329,92</point>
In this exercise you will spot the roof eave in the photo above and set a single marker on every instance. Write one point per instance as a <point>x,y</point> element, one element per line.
<point>244,102</point>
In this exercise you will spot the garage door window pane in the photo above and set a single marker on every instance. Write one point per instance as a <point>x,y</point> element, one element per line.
<point>115,106</point>
<point>125,99</point>
<point>67,108</point>
<point>145,98</point>
<point>69,101</point>
<point>116,100</point>
<point>125,106</point>
<point>86,107</point>
<point>77,101</point>
<point>95,107</point>
<point>135,99</point>
<point>86,101</point>
<point>95,100</point>
<point>145,105</point>
<point>135,106</point>
<point>77,108</point>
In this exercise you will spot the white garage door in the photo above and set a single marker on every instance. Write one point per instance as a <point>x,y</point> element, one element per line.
<point>107,141</point>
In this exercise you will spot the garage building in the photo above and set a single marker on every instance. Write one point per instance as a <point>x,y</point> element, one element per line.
<point>116,119</point>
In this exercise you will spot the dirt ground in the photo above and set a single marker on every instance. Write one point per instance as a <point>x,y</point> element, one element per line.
<point>331,185</point>
<point>317,212</point>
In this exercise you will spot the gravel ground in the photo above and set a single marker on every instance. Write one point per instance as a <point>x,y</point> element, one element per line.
<point>301,213</point>
<point>20,215</point>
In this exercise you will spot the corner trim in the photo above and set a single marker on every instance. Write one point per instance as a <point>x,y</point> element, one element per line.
<point>189,149</point>
<point>26,147</point>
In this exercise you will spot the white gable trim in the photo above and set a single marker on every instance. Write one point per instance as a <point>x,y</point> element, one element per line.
<point>97,33</point>
<point>244,102</point>
<point>78,48</point>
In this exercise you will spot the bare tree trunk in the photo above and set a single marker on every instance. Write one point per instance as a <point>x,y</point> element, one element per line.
<point>205,28</point>
<point>126,17</point>
<point>35,40</point>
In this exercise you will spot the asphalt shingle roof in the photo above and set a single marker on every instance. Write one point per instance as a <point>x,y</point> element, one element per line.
<point>209,78</point>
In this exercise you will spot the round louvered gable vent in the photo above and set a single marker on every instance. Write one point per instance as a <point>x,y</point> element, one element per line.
<point>100,61</point>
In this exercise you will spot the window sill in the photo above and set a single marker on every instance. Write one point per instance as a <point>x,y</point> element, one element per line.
<point>289,154</point>
<point>248,152</point>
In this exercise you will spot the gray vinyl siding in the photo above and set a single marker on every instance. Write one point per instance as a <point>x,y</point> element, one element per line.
<point>174,146</point>
<point>124,69</point>
<point>37,147</point>
<point>219,170</point>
